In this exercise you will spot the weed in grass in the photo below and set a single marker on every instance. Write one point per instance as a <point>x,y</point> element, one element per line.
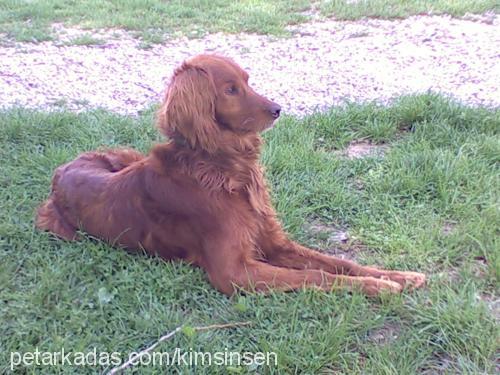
<point>363,149</point>
<point>29,32</point>
<point>86,40</point>
<point>81,295</point>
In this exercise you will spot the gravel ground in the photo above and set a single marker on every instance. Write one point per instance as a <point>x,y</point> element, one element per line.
<point>324,63</point>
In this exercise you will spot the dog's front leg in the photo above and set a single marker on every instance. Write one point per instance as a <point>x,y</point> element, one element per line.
<point>231,265</point>
<point>282,252</point>
<point>253,275</point>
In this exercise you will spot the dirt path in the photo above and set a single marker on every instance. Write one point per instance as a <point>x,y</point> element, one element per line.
<point>323,64</point>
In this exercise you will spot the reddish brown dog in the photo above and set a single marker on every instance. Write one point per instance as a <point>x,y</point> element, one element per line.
<point>202,196</point>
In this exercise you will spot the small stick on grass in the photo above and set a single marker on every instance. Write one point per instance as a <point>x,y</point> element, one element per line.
<point>171,334</point>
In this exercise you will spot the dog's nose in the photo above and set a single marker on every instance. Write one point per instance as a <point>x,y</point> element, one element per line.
<point>275,110</point>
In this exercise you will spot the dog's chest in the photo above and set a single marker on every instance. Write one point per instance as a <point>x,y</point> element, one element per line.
<point>243,186</point>
<point>255,197</point>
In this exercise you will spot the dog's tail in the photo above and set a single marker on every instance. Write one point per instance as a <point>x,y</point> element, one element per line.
<point>49,218</point>
<point>116,160</point>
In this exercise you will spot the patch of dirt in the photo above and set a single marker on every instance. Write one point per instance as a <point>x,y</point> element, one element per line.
<point>448,227</point>
<point>477,267</point>
<point>332,239</point>
<point>386,334</point>
<point>335,240</point>
<point>493,303</point>
<point>359,184</point>
<point>335,234</point>
<point>451,276</point>
<point>330,234</point>
<point>443,364</point>
<point>343,252</point>
<point>357,150</point>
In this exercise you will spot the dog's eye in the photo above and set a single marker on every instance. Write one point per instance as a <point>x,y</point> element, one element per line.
<point>232,90</point>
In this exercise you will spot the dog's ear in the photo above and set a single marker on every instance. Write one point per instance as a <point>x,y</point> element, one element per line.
<point>188,109</point>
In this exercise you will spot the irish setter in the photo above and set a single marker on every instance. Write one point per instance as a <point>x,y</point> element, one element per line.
<point>202,196</point>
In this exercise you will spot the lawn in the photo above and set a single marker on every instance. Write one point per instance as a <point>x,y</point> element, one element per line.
<point>428,203</point>
<point>155,20</point>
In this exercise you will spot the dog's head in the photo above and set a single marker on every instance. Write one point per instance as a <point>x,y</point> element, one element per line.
<point>208,95</point>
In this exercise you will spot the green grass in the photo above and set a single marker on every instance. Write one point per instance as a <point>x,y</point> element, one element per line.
<point>86,40</point>
<point>154,20</point>
<point>151,19</point>
<point>441,167</point>
<point>403,8</point>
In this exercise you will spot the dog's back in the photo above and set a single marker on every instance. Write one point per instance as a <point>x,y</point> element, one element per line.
<point>82,178</point>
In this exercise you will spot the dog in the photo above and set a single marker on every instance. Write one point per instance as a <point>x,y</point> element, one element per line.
<point>202,196</point>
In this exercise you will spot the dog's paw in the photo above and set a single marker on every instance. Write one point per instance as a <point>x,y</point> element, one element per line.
<point>407,279</point>
<point>374,287</point>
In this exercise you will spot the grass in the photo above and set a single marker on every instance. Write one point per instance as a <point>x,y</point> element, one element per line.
<point>440,170</point>
<point>86,40</point>
<point>151,19</point>
<point>154,20</point>
<point>403,8</point>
